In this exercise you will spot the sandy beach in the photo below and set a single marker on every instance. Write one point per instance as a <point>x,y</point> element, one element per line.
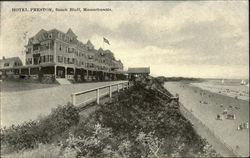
<point>239,91</point>
<point>206,105</point>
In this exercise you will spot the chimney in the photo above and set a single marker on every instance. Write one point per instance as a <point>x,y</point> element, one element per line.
<point>3,57</point>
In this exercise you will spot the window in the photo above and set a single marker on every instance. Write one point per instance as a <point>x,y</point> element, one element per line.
<point>35,47</point>
<point>46,58</point>
<point>50,36</point>
<point>41,59</point>
<point>90,57</point>
<point>28,51</point>
<point>60,59</point>
<point>6,64</point>
<point>28,61</point>
<point>60,35</point>
<point>50,58</point>
<point>45,35</point>
<point>60,47</point>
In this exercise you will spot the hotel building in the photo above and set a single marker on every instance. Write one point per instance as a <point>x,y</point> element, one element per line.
<point>55,54</point>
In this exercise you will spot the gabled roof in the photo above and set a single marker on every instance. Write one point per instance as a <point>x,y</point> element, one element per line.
<point>89,43</point>
<point>100,50</point>
<point>139,70</point>
<point>40,32</point>
<point>10,60</point>
<point>71,33</point>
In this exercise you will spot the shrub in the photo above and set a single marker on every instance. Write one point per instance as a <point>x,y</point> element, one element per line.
<point>44,151</point>
<point>29,134</point>
<point>141,124</point>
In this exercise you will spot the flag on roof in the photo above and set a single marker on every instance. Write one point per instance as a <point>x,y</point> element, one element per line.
<point>106,41</point>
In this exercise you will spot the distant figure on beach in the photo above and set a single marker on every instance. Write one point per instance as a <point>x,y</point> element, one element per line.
<point>237,108</point>
<point>219,117</point>
<point>240,127</point>
<point>224,111</point>
<point>231,116</point>
<point>237,147</point>
<point>245,125</point>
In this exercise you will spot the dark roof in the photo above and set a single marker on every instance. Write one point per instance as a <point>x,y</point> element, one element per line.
<point>10,59</point>
<point>71,33</point>
<point>139,70</point>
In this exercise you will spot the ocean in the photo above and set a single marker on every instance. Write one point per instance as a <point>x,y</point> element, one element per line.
<point>229,87</point>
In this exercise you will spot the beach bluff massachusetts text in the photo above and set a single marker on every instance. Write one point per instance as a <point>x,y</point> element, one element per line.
<point>58,9</point>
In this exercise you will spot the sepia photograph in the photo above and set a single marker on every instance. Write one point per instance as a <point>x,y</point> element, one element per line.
<point>124,79</point>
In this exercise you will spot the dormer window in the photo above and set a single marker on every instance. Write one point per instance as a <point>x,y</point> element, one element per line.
<point>6,64</point>
<point>50,36</point>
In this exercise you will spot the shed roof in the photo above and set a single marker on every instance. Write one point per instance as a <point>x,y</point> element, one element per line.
<point>139,70</point>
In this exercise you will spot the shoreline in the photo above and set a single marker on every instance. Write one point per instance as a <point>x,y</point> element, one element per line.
<point>206,105</point>
<point>223,90</point>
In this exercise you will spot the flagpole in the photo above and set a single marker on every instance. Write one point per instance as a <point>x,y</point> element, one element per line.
<point>103,44</point>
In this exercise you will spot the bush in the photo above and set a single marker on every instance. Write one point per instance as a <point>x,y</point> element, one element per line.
<point>44,151</point>
<point>29,134</point>
<point>140,124</point>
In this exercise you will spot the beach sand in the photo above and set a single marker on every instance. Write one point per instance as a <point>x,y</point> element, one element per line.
<point>190,97</point>
<point>239,91</point>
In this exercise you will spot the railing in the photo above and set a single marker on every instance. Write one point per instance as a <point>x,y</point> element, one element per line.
<point>124,85</point>
<point>169,97</point>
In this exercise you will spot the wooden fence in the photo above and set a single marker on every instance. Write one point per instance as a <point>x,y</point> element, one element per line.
<point>124,85</point>
<point>168,96</point>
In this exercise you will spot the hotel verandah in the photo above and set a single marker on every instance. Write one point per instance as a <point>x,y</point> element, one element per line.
<point>54,54</point>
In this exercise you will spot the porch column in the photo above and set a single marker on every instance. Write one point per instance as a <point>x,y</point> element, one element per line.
<point>87,74</point>
<point>55,71</point>
<point>74,72</point>
<point>54,51</point>
<point>66,73</point>
<point>29,70</point>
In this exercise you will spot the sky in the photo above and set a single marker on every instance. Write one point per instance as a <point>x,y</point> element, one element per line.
<point>207,39</point>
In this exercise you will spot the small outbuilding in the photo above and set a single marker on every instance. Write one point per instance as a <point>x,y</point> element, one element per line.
<point>138,72</point>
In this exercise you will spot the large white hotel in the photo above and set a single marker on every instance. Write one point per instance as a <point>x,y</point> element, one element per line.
<point>55,54</point>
